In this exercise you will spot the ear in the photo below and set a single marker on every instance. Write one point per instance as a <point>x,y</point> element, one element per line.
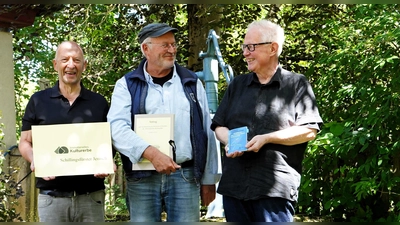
<point>274,48</point>
<point>145,47</point>
<point>84,65</point>
<point>54,64</point>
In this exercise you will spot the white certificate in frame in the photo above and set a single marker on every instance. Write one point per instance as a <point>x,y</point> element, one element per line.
<point>157,130</point>
<point>72,149</point>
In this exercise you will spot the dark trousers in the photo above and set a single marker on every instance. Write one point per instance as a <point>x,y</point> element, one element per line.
<point>260,210</point>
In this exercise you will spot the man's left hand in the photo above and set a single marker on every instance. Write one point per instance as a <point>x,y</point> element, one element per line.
<point>104,175</point>
<point>207,194</point>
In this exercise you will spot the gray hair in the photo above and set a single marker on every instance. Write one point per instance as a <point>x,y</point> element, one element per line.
<point>145,41</point>
<point>270,32</point>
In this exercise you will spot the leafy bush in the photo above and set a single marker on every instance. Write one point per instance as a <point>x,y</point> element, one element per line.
<point>352,169</point>
<point>116,209</point>
<point>115,206</point>
<point>10,190</point>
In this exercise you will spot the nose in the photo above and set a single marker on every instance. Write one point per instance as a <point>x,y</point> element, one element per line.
<point>246,51</point>
<point>70,63</point>
<point>171,46</point>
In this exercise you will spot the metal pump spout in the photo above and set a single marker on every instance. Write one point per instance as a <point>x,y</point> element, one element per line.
<point>211,60</point>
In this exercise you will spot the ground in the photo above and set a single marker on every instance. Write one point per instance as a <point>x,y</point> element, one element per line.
<point>297,218</point>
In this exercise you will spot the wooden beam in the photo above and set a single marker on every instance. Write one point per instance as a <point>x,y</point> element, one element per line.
<point>19,19</point>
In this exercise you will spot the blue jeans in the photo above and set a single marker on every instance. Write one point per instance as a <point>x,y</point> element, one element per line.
<point>260,210</point>
<point>177,194</point>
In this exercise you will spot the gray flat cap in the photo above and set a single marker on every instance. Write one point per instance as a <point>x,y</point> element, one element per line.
<point>154,30</point>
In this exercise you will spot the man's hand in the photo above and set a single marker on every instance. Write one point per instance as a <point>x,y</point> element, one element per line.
<point>164,164</point>
<point>49,178</point>
<point>233,154</point>
<point>101,175</point>
<point>161,162</point>
<point>44,178</point>
<point>256,143</point>
<point>32,166</point>
<point>207,194</point>
<point>104,175</point>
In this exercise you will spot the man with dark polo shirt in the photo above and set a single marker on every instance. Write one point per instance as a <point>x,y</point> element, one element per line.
<point>66,198</point>
<point>279,109</point>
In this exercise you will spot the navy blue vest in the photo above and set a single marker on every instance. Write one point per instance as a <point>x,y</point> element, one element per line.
<point>137,86</point>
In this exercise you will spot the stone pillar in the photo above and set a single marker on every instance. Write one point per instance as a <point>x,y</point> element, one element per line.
<point>7,108</point>
<point>7,96</point>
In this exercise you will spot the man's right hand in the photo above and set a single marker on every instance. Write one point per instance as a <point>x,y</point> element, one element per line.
<point>161,162</point>
<point>32,166</point>
<point>44,178</point>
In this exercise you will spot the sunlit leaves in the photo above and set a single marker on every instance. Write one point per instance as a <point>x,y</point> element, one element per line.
<point>350,54</point>
<point>357,73</point>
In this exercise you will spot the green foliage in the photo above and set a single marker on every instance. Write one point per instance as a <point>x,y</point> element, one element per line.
<point>10,191</point>
<point>115,204</point>
<point>116,209</point>
<point>352,167</point>
<point>348,52</point>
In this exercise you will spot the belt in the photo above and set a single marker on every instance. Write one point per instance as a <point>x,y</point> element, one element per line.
<point>188,163</point>
<point>63,194</point>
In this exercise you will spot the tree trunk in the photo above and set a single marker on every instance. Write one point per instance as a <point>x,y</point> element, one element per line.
<point>201,18</point>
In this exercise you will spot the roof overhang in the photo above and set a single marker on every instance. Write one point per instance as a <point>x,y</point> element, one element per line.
<point>14,16</point>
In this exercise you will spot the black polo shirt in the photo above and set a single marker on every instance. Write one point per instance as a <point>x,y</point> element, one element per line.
<point>275,170</point>
<point>51,107</point>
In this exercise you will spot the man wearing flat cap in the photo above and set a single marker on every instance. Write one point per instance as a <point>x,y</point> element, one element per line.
<point>160,86</point>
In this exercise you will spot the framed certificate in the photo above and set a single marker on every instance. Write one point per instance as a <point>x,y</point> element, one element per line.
<point>72,149</point>
<point>157,130</point>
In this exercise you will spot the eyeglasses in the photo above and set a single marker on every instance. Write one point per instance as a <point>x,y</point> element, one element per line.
<point>165,46</point>
<point>252,47</point>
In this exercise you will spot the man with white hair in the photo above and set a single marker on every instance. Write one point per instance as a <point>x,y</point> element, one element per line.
<point>279,109</point>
